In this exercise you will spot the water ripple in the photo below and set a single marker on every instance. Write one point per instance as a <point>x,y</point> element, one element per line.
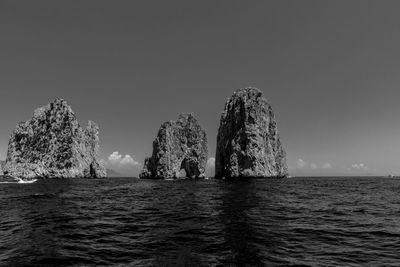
<point>130,222</point>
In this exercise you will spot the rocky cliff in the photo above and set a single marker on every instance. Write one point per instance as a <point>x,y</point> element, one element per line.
<point>180,145</point>
<point>248,143</point>
<point>52,144</point>
<point>2,163</point>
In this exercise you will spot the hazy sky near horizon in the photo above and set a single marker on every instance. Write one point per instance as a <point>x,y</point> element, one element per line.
<point>329,69</point>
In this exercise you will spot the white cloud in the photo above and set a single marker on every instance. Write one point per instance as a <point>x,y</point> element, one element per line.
<point>307,166</point>
<point>128,160</point>
<point>313,166</point>
<point>117,159</point>
<point>125,165</point>
<point>359,166</point>
<point>210,163</point>
<point>327,165</point>
<point>210,167</point>
<point>301,163</point>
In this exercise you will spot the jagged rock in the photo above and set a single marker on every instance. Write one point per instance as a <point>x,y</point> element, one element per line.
<point>180,144</point>
<point>248,143</point>
<point>53,145</point>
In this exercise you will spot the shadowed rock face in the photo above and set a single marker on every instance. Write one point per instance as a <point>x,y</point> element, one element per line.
<point>248,144</point>
<point>180,145</point>
<point>52,144</point>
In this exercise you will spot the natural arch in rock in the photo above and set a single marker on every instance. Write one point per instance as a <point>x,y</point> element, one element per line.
<point>191,168</point>
<point>180,144</point>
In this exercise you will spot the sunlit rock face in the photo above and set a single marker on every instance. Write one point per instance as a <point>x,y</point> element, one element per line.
<point>53,145</point>
<point>180,147</point>
<point>248,143</point>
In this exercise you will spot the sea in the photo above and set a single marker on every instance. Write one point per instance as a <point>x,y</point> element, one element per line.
<point>300,221</point>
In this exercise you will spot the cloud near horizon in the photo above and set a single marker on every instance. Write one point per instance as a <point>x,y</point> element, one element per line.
<point>125,165</point>
<point>210,167</point>
<point>116,158</point>
<point>313,166</point>
<point>359,166</point>
<point>302,167</point>
<point>302,164</point>
<point>327,165</point>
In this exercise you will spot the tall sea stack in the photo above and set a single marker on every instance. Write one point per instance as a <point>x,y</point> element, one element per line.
<point>248,143</point>
<point>53,145</point>
<point>179,145</point>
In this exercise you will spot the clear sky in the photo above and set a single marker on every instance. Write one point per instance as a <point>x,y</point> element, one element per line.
<point>330,69</point>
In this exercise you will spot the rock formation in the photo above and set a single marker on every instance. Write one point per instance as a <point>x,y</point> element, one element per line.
<point>180,144</point>
<point>248,143</point>
<point>53,145</point>
<point>2,162</point>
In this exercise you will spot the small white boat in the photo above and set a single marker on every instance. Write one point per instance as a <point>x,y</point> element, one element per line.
<point>17,180</point>
<point>22,181</point>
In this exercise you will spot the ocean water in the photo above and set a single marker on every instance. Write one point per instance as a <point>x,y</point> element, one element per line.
<point>131,222</point>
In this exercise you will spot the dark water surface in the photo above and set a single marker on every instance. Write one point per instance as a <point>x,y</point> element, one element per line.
<point>130,222</point>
